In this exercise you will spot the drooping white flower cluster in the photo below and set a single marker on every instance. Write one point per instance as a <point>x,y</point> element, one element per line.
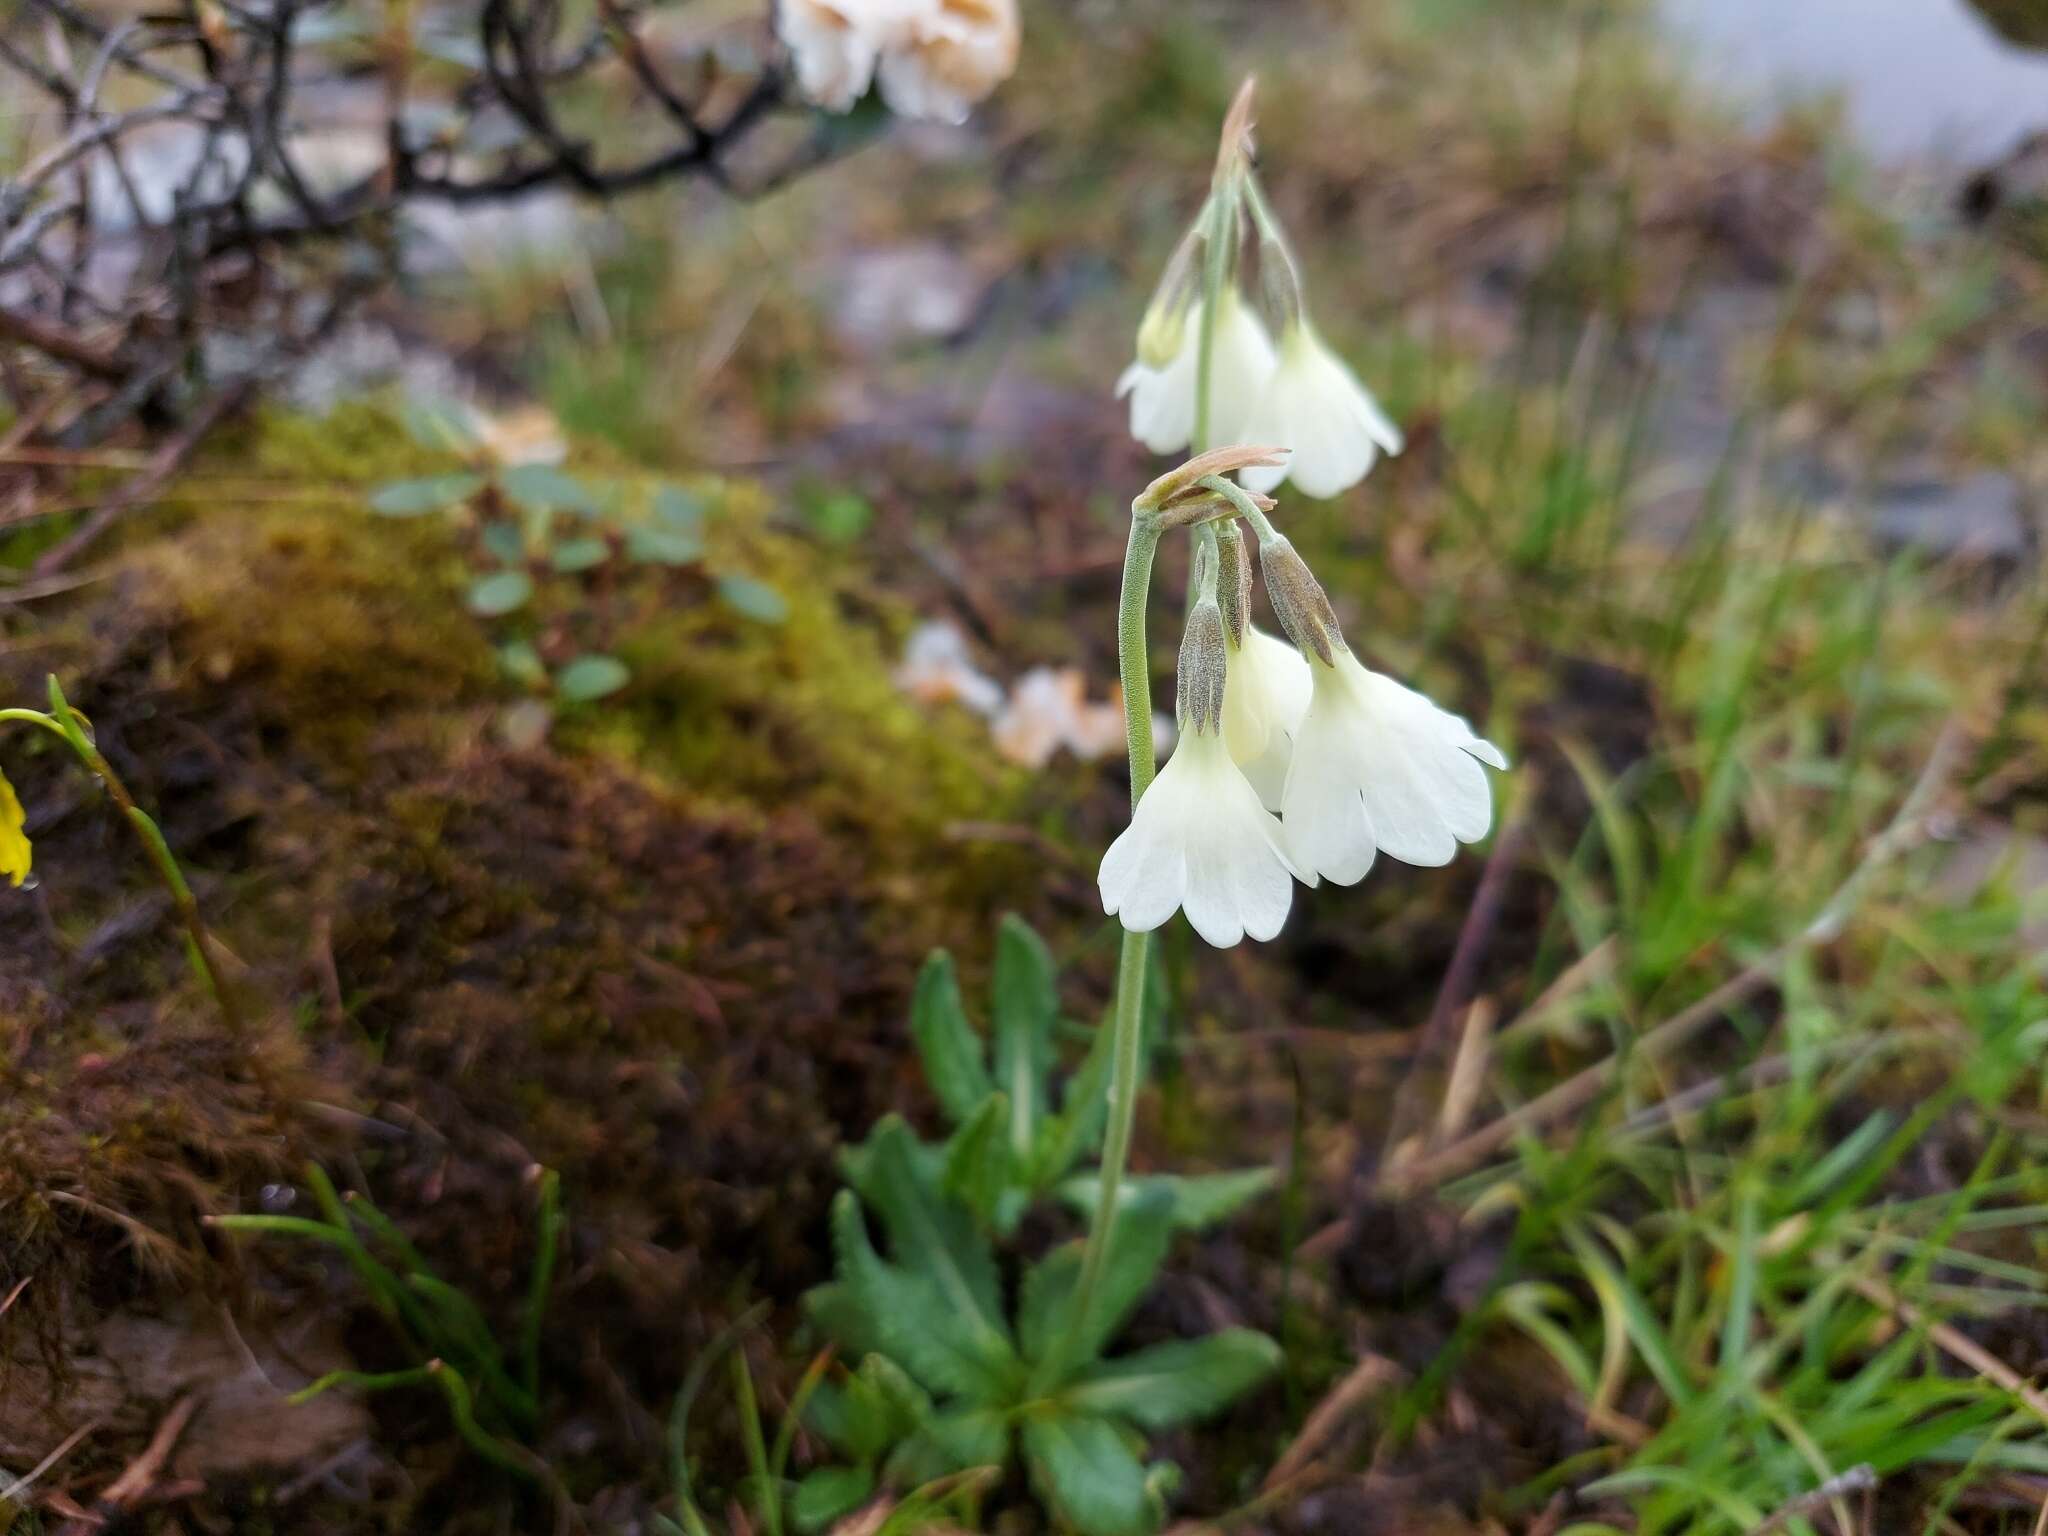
<point>934,58</point>
<point>1300,396</point>
<point>1354,763</point>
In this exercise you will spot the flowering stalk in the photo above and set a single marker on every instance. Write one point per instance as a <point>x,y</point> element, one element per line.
<point>1127,1065</point>
<point>63,722</point>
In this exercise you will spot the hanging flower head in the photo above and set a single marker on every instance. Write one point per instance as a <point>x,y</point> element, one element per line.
<point>1199,840</point>
<point>1306,399</point>
<point>1376,767</point>
<point>1355,763</point>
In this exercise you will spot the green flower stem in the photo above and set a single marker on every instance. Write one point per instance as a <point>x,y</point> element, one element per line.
<point>1215,277</point>
<point>64,723</point>
<point>1241,499</point>
<point>1127,1065</point>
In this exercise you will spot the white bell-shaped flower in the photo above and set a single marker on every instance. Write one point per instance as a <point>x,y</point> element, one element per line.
<point>953,54</point>
<point>834,45</point>
<point>1262,708</point>
<point>1163,398</point>
<point>1200,841</point>
<point>1377,766</point>
<point>1315,406</point>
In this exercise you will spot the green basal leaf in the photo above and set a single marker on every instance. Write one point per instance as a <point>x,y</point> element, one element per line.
<point>544,488</point>
<point>500,592</point>
<point>1168,1384</point>
<point>936,1239</point>
<point>1026,1006</point>
<point>860,1162</point>
<point>412,498</point>
<point>663,546</point>
<point>755,599</point>
<point>951,1442</point>
<point>827,1494</point>
<point>980,1168</point>
<point>1196,1201</point>
<point>904,1406</point>
<point>591,677</point>
<point>572,555</point>
<point>910,1316</point>
<point>955,1063</point>
<point>838,1312</point>
<point>1143,1230</point>
<point>1064,1138</point>
<point>1084,1468</point>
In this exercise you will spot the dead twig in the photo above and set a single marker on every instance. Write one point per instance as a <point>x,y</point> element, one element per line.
<point>1365,1380</point>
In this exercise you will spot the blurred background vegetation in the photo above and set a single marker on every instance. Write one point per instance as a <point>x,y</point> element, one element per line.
<point>519,673</point>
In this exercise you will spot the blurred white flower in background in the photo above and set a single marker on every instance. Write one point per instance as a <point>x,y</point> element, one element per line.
<point>1163,396</point>
<point>1200,841</point>
<point>1049,709</point>
<point>936,669</point>
<point>1263,705</point>
<point>1315,405</point>
<point>1378,767</point>
<point>1046,711</point>
<point>935,58</point>
<point>955,54</point>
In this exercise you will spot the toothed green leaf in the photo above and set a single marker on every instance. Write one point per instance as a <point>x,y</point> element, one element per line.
<point>955,1062</point>
<point>1168,1384</point>
<point>828,1493</point>
<point>1026,1006</point>
<point>1084,1469</point>
<point>980,1168</point>
<point>1043,1302</point>
<point>1196,1201</point>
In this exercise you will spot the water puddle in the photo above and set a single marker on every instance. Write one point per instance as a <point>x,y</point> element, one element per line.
<point>1918,79</point>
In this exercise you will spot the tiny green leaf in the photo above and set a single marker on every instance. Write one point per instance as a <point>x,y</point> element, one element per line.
<point>755,599</point>
<point>522,663</point>
<point>663,546</point>
<point>591,677</point>
<point>412,498</point>
<point>573,555</point>
<point>840,517</point>
<point>503,543</point>
<point>544,488</point>
<point>681,510</point>
<point>500,592</point>
<point>442,425</point>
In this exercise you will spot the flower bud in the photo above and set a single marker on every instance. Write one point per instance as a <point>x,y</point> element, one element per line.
<point>1299,601</point>
<point>1204,662</point>
<point>1234,581</point>
<point>1164,329</point>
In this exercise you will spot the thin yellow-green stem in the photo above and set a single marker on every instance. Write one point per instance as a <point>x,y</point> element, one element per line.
<point>64,723</point>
